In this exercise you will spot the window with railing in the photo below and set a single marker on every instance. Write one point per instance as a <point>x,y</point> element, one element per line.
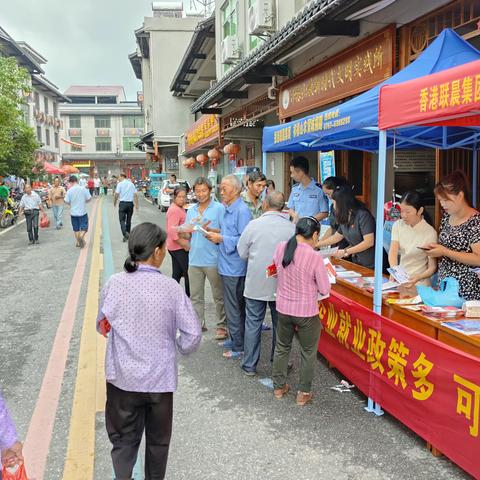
<point>75,121</point>
<point>78,141</point>
<point>45,104</point>
<point>133,121</point>
<point>102,121</point>
<point>103,144</point>
<point>39,134</point>
<point>229,22</point>
<point>56,139</point>
<point>47,137</point>
<point>129,143</point>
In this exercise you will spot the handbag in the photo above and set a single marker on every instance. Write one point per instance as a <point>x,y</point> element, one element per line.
<point>446,296</point>
<point>44,221</point>
<point>18,473</point>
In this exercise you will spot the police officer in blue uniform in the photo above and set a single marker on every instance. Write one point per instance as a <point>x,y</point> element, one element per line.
<point>307,198</point>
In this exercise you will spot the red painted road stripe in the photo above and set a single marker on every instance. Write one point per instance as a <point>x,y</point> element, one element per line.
<point>39,436</point>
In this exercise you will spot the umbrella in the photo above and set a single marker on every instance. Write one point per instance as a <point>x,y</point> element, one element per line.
<point>68,169</point>
<point>52,169</point>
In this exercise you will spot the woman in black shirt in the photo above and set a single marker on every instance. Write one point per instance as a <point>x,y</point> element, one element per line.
<point>356,225</point>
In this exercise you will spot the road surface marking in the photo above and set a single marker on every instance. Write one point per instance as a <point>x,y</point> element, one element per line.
<point>39,435</point>
<point>3,232</point>
<point>80,455</point>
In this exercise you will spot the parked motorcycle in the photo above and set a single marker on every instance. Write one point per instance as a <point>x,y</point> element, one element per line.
<point>8,211</point>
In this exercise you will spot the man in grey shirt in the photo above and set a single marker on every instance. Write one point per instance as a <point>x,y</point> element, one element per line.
<point>257,245</point>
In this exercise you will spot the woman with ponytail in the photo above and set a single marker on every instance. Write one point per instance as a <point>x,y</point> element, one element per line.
<point>302,277</point>
<point>143,311</point>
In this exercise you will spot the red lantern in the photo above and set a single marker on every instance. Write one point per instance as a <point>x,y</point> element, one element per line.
<point>232,148</point>
<point>214,154</point>
<point>202,159</point>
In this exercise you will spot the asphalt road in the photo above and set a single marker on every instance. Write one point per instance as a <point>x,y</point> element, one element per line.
<point>226,425</point>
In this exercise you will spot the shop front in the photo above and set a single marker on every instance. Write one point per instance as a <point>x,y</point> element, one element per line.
<point>243,127</point>
<point>350,72</point>
<point>201,155</point>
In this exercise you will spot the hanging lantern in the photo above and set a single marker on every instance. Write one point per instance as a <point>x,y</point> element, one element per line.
<point>232,148</point>
<point>214,154</point>
<point>202,159</point>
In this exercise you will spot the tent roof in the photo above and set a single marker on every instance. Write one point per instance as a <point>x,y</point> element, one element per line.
<point>354,124</point>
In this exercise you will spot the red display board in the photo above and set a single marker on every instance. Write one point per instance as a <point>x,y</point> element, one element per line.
<point>450,97</point>
<point>430,387</point>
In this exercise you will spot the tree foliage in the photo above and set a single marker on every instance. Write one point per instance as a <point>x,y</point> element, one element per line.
<point>17,139</point>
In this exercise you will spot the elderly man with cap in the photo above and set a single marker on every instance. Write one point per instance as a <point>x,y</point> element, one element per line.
<point>257,245</point>
<point>231,267</point>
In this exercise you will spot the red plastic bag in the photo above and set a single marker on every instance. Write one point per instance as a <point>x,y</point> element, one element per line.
<point>104,327</point>
<point>44,221</point>
<point>18,473</point>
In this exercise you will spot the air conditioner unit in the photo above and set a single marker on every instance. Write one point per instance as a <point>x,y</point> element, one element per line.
<point>261,17</point>
<point>230,50</point>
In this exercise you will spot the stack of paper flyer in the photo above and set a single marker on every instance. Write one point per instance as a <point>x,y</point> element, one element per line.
<point>468,327</point>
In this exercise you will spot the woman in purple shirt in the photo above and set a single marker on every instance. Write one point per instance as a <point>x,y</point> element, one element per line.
<point>10,447</point>
<point>144,310</point>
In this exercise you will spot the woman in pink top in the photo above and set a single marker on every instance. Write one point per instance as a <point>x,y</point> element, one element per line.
<point>301,278</point>
<point>178,247</point>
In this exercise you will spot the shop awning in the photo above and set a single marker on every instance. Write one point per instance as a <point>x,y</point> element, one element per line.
<point>354,124</point>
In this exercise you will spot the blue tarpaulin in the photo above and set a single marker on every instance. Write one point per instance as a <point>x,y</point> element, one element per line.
<point>354,124</point>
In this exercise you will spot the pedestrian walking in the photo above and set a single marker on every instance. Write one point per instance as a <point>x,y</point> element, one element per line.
<point>203,255</point>
<point>257,245</point>
<point>302,277</point>
<point>91,186</point>
<point>10,447</point>
<point>105,186</point>
<point>31,206</point>
<point>231,267</point>
<point>306,198</point>
<point>178,247</point>
<point>97,183</point>
<point>57,199</point>
<point>256,184</point>
<point>83,182</point>
<point>126,195</point>
<point>141,360</point>
<point>77,197</point>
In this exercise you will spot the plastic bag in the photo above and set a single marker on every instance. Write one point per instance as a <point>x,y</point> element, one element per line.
<point>446,296</point>
<point>44,221</point>
<point>17,473</point>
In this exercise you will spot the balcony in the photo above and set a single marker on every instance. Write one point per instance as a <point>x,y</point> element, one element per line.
<point>103,132</point>
<point>133,132</point>
<point>74,132</point>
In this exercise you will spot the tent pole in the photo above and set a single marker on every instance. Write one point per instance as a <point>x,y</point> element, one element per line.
<point>474,175</point>
<point>377,293</point>
<point>264,163</point>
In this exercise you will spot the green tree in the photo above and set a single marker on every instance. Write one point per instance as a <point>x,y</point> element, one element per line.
<point>17,140</point>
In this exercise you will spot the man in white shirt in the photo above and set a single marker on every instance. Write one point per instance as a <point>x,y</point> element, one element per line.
<point>31,205</point>
<point>77,197</point>
<point>126,195</point>
<point>97,183</point>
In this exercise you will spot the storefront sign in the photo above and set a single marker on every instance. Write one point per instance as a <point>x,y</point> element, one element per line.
<point>203,132</point>
<point>430,387</point>
<point>454,92</point>
<point>81,163</point>
<point>354,70</point>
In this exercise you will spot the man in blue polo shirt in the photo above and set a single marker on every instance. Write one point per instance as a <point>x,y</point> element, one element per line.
<point>307,198</point>
<point>231,267</point>
<point>203,255</point>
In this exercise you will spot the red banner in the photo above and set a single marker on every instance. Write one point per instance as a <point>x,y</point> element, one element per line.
<point>450,97</point>
<point>430,387</point>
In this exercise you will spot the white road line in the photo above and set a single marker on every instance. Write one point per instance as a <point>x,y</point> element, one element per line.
<point>3,232</point>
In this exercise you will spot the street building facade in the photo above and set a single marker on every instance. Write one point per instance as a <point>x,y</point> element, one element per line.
<point>41,110</point>
<point>99,131</point>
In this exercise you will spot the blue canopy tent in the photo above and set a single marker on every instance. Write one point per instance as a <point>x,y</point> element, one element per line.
<point>353,125</point>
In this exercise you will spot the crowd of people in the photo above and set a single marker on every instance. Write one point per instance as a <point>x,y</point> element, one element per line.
<point>257,252</point>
